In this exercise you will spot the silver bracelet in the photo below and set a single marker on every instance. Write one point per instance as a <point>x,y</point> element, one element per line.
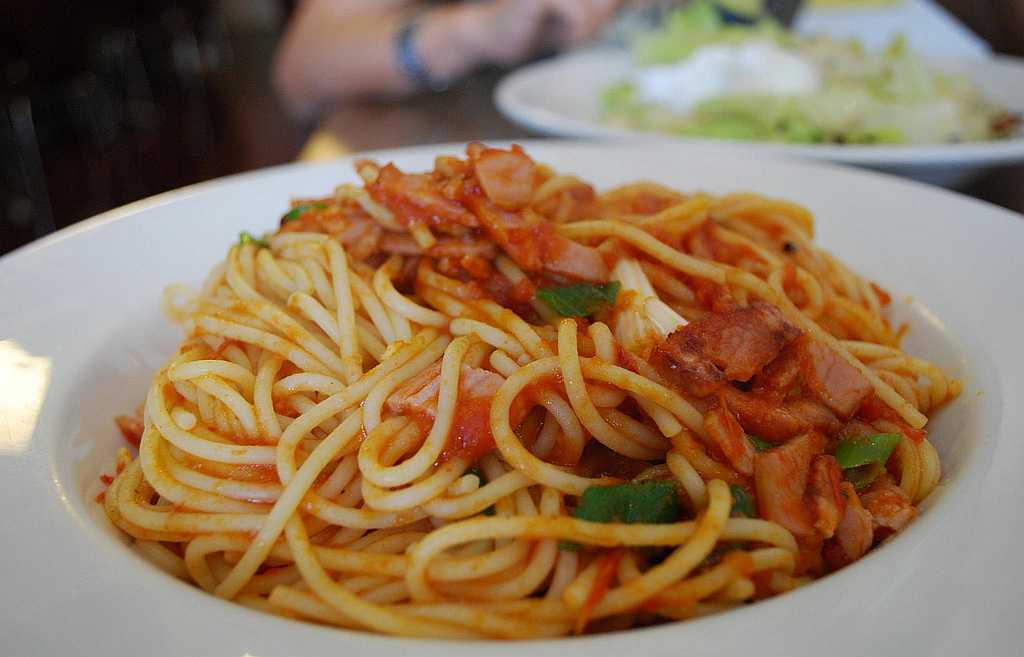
<point>409,60</point>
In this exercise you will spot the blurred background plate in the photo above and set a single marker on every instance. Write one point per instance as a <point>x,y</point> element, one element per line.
<point>927,26</point>
<point>561,96</point>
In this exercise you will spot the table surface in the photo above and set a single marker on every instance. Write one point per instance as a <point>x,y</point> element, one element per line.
<point>466,112</point>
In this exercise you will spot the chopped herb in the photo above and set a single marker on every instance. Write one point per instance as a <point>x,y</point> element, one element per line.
<point>245,237</point>
<point>649,502</point>
<point>760,444</point>
<point>866,450</point>
<point>579,300</point>
<point>299,210</point>
<point>863,476</point>
<point>742,502</point>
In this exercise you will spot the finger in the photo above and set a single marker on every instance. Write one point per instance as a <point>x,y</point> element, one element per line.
<point>510,28</point>
<point>572,19</point>
<point>581,19</point>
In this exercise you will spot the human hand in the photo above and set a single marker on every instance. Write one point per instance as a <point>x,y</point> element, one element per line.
<point>507,31</point>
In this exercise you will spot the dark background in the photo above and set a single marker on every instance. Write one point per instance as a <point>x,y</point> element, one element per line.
<point>106,103</point>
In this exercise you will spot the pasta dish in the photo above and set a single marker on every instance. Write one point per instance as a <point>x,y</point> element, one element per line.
<point>488,401</point>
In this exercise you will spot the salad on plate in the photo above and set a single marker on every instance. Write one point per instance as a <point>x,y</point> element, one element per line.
<point>699,75</point>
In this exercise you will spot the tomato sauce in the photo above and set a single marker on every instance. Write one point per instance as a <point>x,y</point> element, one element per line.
<point>883,296</point>
<point>874,408</point>
<point>131,428</point>
<point>470,436</point>
<point>606,571</point>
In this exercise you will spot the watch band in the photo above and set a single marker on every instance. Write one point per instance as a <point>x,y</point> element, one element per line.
<point>409,60</point>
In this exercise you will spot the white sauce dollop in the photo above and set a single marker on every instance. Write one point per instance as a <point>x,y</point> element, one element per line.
<point>751,68</point>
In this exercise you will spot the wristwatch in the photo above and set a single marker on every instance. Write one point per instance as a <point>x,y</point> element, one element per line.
<point>409,60</point>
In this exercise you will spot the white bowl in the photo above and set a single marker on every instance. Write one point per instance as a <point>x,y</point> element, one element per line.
<point>561,97</point>
<point>81,333</point>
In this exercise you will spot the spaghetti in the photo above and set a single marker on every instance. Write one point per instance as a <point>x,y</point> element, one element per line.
<point>488,402</point>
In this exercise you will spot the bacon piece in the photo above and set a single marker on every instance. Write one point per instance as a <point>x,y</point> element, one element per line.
<point>363,236</point>
<point>417,392</point>
<point>763,417</point>
<point>416,198</point>
<point>578,201</point>
<point>534,245</point>
<point>823,489</point>
<point>569,258</point>
<point>733,345</point>
<point>391,243</point>
<point>512,233</point>
<point>780,374</point>
<point>498,195</point>
<point>831,379</point>
<point>855,429</point>
<point>727,435</point>
<point>460,248</point>
<point>780,483</point>
<point>716,297</point>
<point>742,341</point>
<point>814,414</point>
<point>516,297</point>
<point>890,507</point>
<point>679,359</point>
<point>854,534</point>
<point>507,177</point>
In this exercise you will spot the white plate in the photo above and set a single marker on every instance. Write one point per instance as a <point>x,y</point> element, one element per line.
<point>561,96</point>
<point>82,333</point>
